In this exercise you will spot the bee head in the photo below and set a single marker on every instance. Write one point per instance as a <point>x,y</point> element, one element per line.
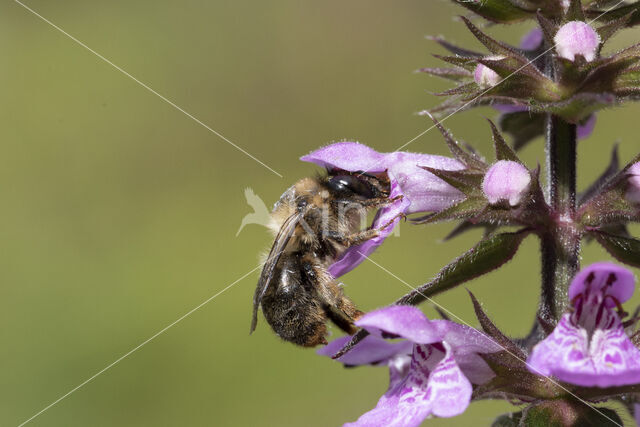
<point>357,184</point>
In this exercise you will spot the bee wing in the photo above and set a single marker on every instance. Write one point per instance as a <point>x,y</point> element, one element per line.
<point>282,239</point>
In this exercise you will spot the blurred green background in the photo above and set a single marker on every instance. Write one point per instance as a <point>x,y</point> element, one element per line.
<point>119,213</point>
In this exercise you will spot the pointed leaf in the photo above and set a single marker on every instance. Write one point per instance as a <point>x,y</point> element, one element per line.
<point>609,205</point>
<point>509,67</point>
<point>468,64</point>
<point>468,159</point>
<point>614,14</point>
<point>502,11</point>
<point>578,107</point>
<point>468,208</point>
<point>456,50</point>
<point>515,380</point>
<point>466,181</point>
<point>608,30</point>
<point>548,27</point>
<point>502,149</point>
<point>467,88</point>
<point>455,74</point>
<point>492,330</point>
<point>624,249</point>
<point>489,254</point>
<point>574,11</point>
<point>602,78</point>
<point>494,46</point>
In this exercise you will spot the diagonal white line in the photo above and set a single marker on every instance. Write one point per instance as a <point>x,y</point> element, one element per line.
<point>165,99</point>
<point>136,348</point>
<point>497,343</point>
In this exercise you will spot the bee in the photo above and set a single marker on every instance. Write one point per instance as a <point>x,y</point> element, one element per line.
<point>316,220</point>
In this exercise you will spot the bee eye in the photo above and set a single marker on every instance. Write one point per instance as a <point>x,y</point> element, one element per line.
<point>350,184</point>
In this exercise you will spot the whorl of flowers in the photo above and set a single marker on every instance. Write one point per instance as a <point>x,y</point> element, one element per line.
<point>584,347</point>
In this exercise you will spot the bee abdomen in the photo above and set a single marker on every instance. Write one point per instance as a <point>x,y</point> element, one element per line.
<point>290,308</point>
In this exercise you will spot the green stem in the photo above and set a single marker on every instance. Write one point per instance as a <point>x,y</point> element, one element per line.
<point>560,242</point>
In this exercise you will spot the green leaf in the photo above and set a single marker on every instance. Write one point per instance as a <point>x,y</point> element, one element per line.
<point>455,74</point>
<point>468,182</point>
<point>468,64</point>
<point>502,149</point>
<point>494,46</point>
<point>609,205</point>
<point>468,208</point>
<point>456,50</point>
<point>624,249</point>
<point>602,78</point>
<point>608,30</point>
<point>574,11</point>
<point>467,88</point>
<point>549,28</point>
<point>489,254</point>
<point>492,330</point>
<point>576,108</point>
<point>502,11</point>
<point>515,380</point>
<point>612,15</point>
<point>470,160</point>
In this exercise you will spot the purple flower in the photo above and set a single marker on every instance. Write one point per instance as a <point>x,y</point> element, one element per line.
<point>585,129</point>
<point>431,376</point>
<point>633,191</point>
<point>589,346</point>
<point>577,38</point>
<point>532,40</point>
<point>421,190</point>
<point>506,180</point>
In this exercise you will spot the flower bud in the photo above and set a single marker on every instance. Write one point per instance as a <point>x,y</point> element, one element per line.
<point>577,38</point>
<point>484,76</point>
<point>633,192</point>
<point>506,180</point>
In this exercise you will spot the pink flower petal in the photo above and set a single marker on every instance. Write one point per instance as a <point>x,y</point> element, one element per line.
<point>600,273</point>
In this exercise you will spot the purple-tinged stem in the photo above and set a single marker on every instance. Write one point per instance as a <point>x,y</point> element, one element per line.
<point>560,243</point>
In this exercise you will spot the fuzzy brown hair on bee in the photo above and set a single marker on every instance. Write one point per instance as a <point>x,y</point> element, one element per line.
<point>315,221</point>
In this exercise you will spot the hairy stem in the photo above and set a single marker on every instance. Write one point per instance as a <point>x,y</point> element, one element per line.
<point>560,242</point>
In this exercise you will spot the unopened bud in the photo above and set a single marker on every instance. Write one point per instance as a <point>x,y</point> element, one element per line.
<point>633,192</point>
<point>577,38</point>
<point>484,76</point>
<point>506,180</point>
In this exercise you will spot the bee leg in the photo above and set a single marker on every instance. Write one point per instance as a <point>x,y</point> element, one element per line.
<point>400,215</point>
<point>337,306</point>
<point>379,201</point>
<point>357,238</point>
<point>343,320</point>
<point>364,235</point>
